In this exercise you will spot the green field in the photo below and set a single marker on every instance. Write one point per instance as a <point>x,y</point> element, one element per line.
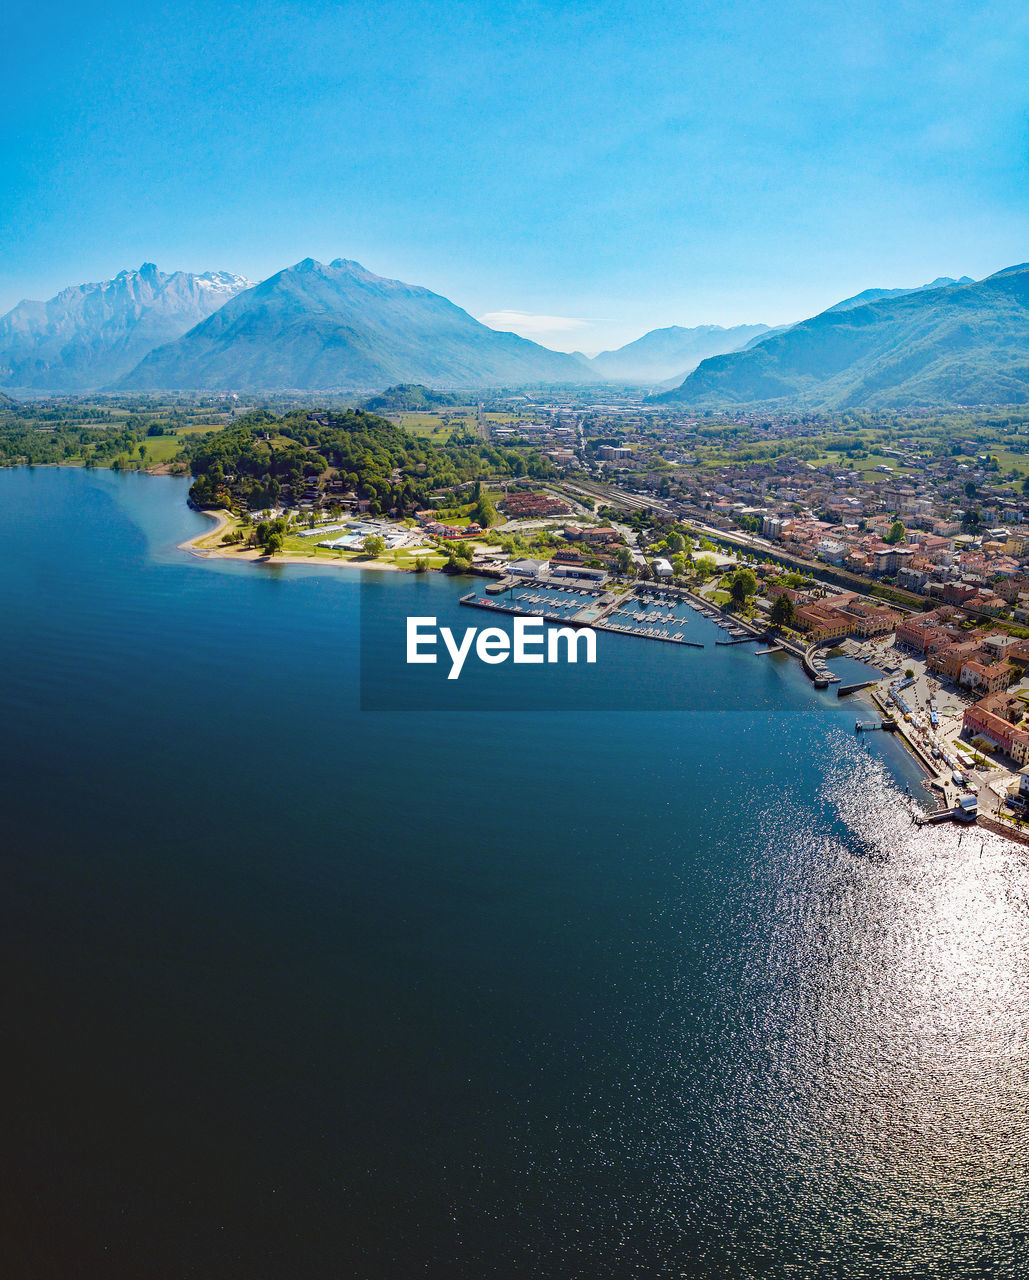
<point>433,426</point>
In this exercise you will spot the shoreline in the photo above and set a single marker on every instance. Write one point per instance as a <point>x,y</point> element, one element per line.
<point>871,697</point>
<point>220,518</point>
<point>197,546</point>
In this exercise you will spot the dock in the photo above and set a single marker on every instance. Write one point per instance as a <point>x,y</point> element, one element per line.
<point>844,689</point>
<point>532,598</point>
<point>650,611</point>
<point>815,669</point>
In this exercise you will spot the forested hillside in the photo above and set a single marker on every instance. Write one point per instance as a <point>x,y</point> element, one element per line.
<point>252,461</point>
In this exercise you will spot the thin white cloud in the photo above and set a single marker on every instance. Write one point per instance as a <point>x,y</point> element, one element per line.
<point>531,326</point>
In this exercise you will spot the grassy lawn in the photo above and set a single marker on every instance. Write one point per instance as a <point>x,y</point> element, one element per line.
<point>405,559</point>
<point>161,449</point>
<point>847,463</point>
<point>296,546</point>
<point>432,424</point>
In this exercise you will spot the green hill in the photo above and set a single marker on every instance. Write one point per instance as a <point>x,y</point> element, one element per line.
<point>409,397</point>
<point>965,344</point>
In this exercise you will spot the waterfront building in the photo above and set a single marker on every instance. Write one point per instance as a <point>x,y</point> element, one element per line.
<point>821,622</point>
<point>579,572</point>
<point>528,568</point>
<point>870,619</point>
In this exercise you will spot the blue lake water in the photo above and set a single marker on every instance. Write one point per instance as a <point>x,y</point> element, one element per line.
<point>295,989</point>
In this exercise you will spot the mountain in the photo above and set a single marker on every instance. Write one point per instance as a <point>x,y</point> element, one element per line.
<point>409,397</point>
<point>768,333</point>
<point>318,327</point>
<point>961,344</point>
<point>860,299</point>
<point>671,352</point>
<point>91,334</point>
<point>876,295</point>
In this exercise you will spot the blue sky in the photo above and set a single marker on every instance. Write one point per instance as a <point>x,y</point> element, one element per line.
<point>615,166</point>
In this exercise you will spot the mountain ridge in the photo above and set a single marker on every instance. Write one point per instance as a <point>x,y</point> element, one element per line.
<point>87,335</point>
<point>877,295</point>
<point>316,326</point>
<point>956,345</point>
<point>672,351</point>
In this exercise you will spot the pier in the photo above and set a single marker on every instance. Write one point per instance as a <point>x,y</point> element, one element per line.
<point>844,689</point>
<point>815,669</point>
<point>626,615</point>
<point>651,610</point>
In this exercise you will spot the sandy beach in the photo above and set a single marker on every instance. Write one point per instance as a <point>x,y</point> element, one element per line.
<point>207,545</point>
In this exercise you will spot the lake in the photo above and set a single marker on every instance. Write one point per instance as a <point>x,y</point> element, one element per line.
<point>551,987</point>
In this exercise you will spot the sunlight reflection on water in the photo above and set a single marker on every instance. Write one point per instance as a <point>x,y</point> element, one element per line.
<point>863,1107</point>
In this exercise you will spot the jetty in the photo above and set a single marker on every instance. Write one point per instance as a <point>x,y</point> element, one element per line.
<point>815,669</point>
<point>844,689</point>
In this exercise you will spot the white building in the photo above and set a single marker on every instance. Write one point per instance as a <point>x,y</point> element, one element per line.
<point>528,568</point>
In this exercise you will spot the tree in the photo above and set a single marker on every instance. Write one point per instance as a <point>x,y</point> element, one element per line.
<point>896,534</point>
<point>679,565</point>
<point>624,558</point>
<point>705,567</point>
<point>373,545</point>
<point>742,586</point>
<point>676,542</point>
<point>782,611</point>
<point>273,544</point>
<point>486,513</point>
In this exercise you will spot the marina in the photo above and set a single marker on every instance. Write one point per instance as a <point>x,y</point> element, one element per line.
<point>648,612</point>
